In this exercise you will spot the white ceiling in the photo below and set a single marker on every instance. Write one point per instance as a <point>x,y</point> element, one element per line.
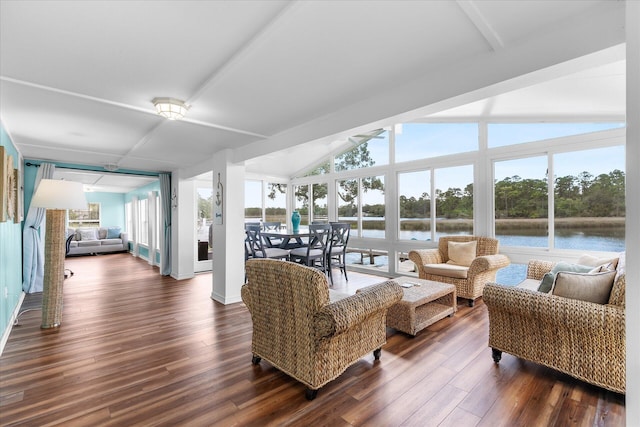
<point>105,181</point>
<point>282,83</point>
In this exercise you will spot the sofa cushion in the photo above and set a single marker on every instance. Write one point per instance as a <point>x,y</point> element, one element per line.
<point>113,233</point>
<point>88,243</point>
<point>462,253</point>
<point>547,280</point>
<point>107,242</point>
<point>530,284</point>
<point>87,234</point>
<point>586,287</point>
<point>447,270</point>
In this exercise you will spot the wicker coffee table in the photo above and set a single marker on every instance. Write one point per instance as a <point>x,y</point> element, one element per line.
<point>423,304</point>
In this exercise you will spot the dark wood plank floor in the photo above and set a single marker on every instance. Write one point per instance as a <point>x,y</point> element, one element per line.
<point>138,349</point>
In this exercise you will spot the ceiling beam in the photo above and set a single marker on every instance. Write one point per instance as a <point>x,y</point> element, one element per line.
<point>489,33</point>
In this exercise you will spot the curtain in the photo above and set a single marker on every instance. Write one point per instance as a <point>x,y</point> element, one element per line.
<point>32,248</point>
<point>151,226</point>
<point>135,213</point>
<point>165,207</point>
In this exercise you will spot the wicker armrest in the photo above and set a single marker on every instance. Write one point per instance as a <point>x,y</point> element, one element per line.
<point>540,307</point>
<point>245,294</point>
<point>488,262</point>
<point>341,315</point>
<point>420,257</point>
<point>537,268</point>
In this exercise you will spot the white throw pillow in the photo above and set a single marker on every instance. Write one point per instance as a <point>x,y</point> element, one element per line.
<point>88,234</point>
<point>593,261</point>
<point>462,253</point>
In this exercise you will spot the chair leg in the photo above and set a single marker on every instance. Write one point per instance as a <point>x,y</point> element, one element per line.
<point>310,394</point>
<point>496,354</point>
<point>343,267</point>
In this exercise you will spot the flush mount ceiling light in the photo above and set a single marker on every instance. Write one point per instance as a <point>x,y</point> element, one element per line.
<point>171,108</point>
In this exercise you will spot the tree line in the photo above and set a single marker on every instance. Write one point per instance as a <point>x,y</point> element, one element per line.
<point>584,195</point>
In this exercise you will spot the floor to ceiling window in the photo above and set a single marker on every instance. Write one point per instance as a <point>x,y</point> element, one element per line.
<point>438,181</point>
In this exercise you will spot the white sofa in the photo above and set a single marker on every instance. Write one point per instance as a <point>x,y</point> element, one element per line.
<point>97,240</point>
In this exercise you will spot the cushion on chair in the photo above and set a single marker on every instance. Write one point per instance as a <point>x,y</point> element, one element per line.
<point>547,280</point>
<point>447,270</point>
<point>593,261</point>
<point>586,287</point>
<point>462,253</point>
<point>87,234</point>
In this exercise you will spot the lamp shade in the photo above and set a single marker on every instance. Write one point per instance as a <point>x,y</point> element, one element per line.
<point>56,194</point>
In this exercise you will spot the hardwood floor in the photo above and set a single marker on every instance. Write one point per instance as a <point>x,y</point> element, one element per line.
<point>135,348</point>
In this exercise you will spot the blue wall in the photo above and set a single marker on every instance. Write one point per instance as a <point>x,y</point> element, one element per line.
<point>111,208</point>
<point>10,253</point>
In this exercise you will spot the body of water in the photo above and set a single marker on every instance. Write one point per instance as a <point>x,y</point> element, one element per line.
<point>606,240</point>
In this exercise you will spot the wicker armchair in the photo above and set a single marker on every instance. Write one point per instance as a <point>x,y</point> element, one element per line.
<point>482,270</point>
<point>582,339</point>
<point>298,330</point>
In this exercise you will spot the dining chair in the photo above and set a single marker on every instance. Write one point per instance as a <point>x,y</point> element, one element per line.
<point>272,242</point>
<point>258,249</point>
<point>337,251</point>
<point>315,253</point>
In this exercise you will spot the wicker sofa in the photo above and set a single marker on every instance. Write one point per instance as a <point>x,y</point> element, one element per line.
<point>299,331</point>
<point>433,264</point>
<point>583,339</point>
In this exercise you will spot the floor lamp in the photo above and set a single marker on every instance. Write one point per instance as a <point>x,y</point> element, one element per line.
<point>56,196</point>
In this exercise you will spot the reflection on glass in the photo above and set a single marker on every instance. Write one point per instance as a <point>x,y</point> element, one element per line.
<point>204,220</point>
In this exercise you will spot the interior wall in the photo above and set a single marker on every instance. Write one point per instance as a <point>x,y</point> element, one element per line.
<point>111,208</point>
<point>10,258</point>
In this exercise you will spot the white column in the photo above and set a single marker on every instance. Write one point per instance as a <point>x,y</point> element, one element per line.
<point>632,237</point>
<point>228,237</point>
<point>183,228</point>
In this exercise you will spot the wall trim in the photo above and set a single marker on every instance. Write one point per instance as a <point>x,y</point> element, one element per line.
<point>12,320</point>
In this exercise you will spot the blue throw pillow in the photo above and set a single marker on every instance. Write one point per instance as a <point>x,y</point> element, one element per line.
<point>113,233</point>
<point>547,280</point>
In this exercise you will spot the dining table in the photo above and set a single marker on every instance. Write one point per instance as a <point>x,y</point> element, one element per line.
<point>286,239</point>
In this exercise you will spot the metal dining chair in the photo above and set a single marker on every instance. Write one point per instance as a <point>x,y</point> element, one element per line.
<point>315,254</point>
<point>272,242</point>
<point>337,251</point>
<point>258,250</point>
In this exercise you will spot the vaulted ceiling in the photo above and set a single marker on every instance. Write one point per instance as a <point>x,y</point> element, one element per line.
<point>279,80</point>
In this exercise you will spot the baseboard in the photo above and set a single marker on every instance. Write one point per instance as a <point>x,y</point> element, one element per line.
<point>12,320</point>
<point>222,300</point>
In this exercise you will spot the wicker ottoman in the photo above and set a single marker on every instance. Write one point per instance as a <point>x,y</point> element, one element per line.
<point>423,304</point>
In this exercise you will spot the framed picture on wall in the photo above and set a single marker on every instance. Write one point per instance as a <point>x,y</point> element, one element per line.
<point>20,191</point>
<point>10,188</point>
<point>3,185</point>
